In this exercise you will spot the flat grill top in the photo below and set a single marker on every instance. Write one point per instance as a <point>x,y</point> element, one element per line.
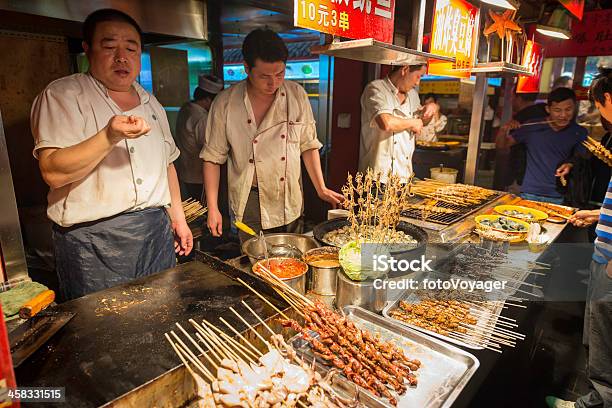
<point>459,213</point>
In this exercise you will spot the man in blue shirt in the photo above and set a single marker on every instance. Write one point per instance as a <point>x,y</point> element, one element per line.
<point>551,147</point>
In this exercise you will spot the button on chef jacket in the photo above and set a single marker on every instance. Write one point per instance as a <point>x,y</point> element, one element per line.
<point>273,149</point>
<point>381,150</point>
<point>133,176</point>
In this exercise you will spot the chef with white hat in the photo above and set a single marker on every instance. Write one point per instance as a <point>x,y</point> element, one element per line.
<point>190,128</point>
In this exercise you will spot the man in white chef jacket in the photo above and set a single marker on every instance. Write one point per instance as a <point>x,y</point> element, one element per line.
<point>389,122</point>
<point>262,127</point>
<point>105,149</point>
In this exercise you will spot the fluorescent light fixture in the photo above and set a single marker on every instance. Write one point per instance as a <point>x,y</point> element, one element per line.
<point>500,3</point>
<point>554,32</point>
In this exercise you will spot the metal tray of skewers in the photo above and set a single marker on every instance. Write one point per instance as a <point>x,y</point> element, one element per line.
<point>443,372</point>
<point>471,324</point>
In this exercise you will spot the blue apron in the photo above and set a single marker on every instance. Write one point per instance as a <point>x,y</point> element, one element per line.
<point>97,255</point>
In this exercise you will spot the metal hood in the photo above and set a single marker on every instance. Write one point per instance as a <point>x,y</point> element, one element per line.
<point>377,52</point>
<point>181,18</point>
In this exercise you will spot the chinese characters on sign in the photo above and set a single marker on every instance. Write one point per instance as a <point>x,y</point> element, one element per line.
<point>532,59</point>
<point>454,33</point>
<point>347,18</point>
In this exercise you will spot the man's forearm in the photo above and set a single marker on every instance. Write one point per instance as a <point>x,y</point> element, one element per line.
<point>60,167</point>
<point>312,162</point>
<point>212,175</point>
<point>176,205</point>
<point>390,123</point>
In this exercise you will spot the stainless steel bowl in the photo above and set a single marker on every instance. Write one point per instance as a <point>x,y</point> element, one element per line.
<point>298,282</point>
<point>322,280</point>
<point>254,250</point>
<point>361,294</point>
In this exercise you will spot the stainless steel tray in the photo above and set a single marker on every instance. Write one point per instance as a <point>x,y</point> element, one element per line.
<point>484,320</point>
<point>444,371</point>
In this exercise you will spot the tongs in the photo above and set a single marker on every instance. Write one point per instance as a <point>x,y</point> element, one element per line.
<point>270,250</point>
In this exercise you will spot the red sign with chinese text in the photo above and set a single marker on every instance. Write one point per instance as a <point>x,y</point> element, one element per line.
<point>533,56</point>
<point>576,7</point>
<point>454,33</point>
<point>347,18</point>
<point>591,37</point>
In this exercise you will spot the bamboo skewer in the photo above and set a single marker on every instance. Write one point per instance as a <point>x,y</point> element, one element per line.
<point>213,340</point>
<point>258,318</point>
<point>227,338</point>
<point>237,346</point>
<point>237,333</point>
<point>188,353</point>
<point>264,341</point>
<point>263,298</point>
<point>206,373</point>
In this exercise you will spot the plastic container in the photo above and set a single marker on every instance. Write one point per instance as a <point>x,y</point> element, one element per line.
<point>444,174</point>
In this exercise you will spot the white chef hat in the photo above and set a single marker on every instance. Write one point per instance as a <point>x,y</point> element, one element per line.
<point>210,84</point>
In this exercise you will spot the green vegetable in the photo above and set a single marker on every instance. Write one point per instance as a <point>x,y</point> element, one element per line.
<point>350,260</point>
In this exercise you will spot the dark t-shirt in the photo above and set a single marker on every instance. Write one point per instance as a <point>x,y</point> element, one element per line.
<point>546,150</point>
<point>601,174</point>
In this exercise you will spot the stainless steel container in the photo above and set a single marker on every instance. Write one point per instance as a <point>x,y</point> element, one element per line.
<point>298,282</point>
<point>254,250</point>
<point>322,279</point>
<point>362,294</point>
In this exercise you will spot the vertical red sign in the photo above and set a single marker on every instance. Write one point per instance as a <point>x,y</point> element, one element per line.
<point>533,56</point>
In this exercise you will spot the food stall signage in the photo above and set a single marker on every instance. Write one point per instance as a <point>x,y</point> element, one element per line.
<point>354,19</point>
<point>454,33</point>
<point>533,56</point>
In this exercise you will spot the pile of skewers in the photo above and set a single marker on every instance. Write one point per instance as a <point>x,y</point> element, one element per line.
<point>552,210</point>
<point>373,208</point>
<point>470,322</point>
<point>457,194</point>
<point>429,207</point>
<point>193,210</point>
<point>377,366</point>
<point>482,264</point>
<point>246,377</point>
<point>598,150</point>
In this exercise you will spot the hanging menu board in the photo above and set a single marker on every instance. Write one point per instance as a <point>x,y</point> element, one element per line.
<point>354,19</point>
<point>454,33</point>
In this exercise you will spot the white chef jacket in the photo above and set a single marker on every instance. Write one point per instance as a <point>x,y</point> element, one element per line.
<point>133,176</point>
<point>378,149</point>
<point>273,149</point>
<point>190,128</point>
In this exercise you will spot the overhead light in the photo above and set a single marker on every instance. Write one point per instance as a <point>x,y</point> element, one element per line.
<point>501,3</point>
<point>557,25</point>
<point>554,32</point>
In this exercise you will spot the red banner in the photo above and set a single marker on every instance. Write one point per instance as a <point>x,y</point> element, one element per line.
<point>454,33</point>
<point>533,56</point>
<point>576,7</point>
<point>347,18</point>
<point>590,37</point>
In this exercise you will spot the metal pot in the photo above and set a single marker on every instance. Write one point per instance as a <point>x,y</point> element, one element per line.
<point>362,294</point>
<point>322,280</point>
<point>297,282</point>
<point>254,250</point>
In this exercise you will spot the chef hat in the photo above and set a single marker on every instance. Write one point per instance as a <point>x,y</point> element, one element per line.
<point>210,84</point>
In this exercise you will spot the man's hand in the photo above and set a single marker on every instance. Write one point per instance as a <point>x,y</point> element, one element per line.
<point>183,238</point>
<point>564,170</point>
<point>215,223</point>
<point>330,196</point>
<point>513,124</point>
<point>415,125</point>
<point>430,110</point>
<point>121,127</point>
<point>584,218</point>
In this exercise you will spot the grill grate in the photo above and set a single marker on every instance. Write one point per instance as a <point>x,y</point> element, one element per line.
<point>445,218</point>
